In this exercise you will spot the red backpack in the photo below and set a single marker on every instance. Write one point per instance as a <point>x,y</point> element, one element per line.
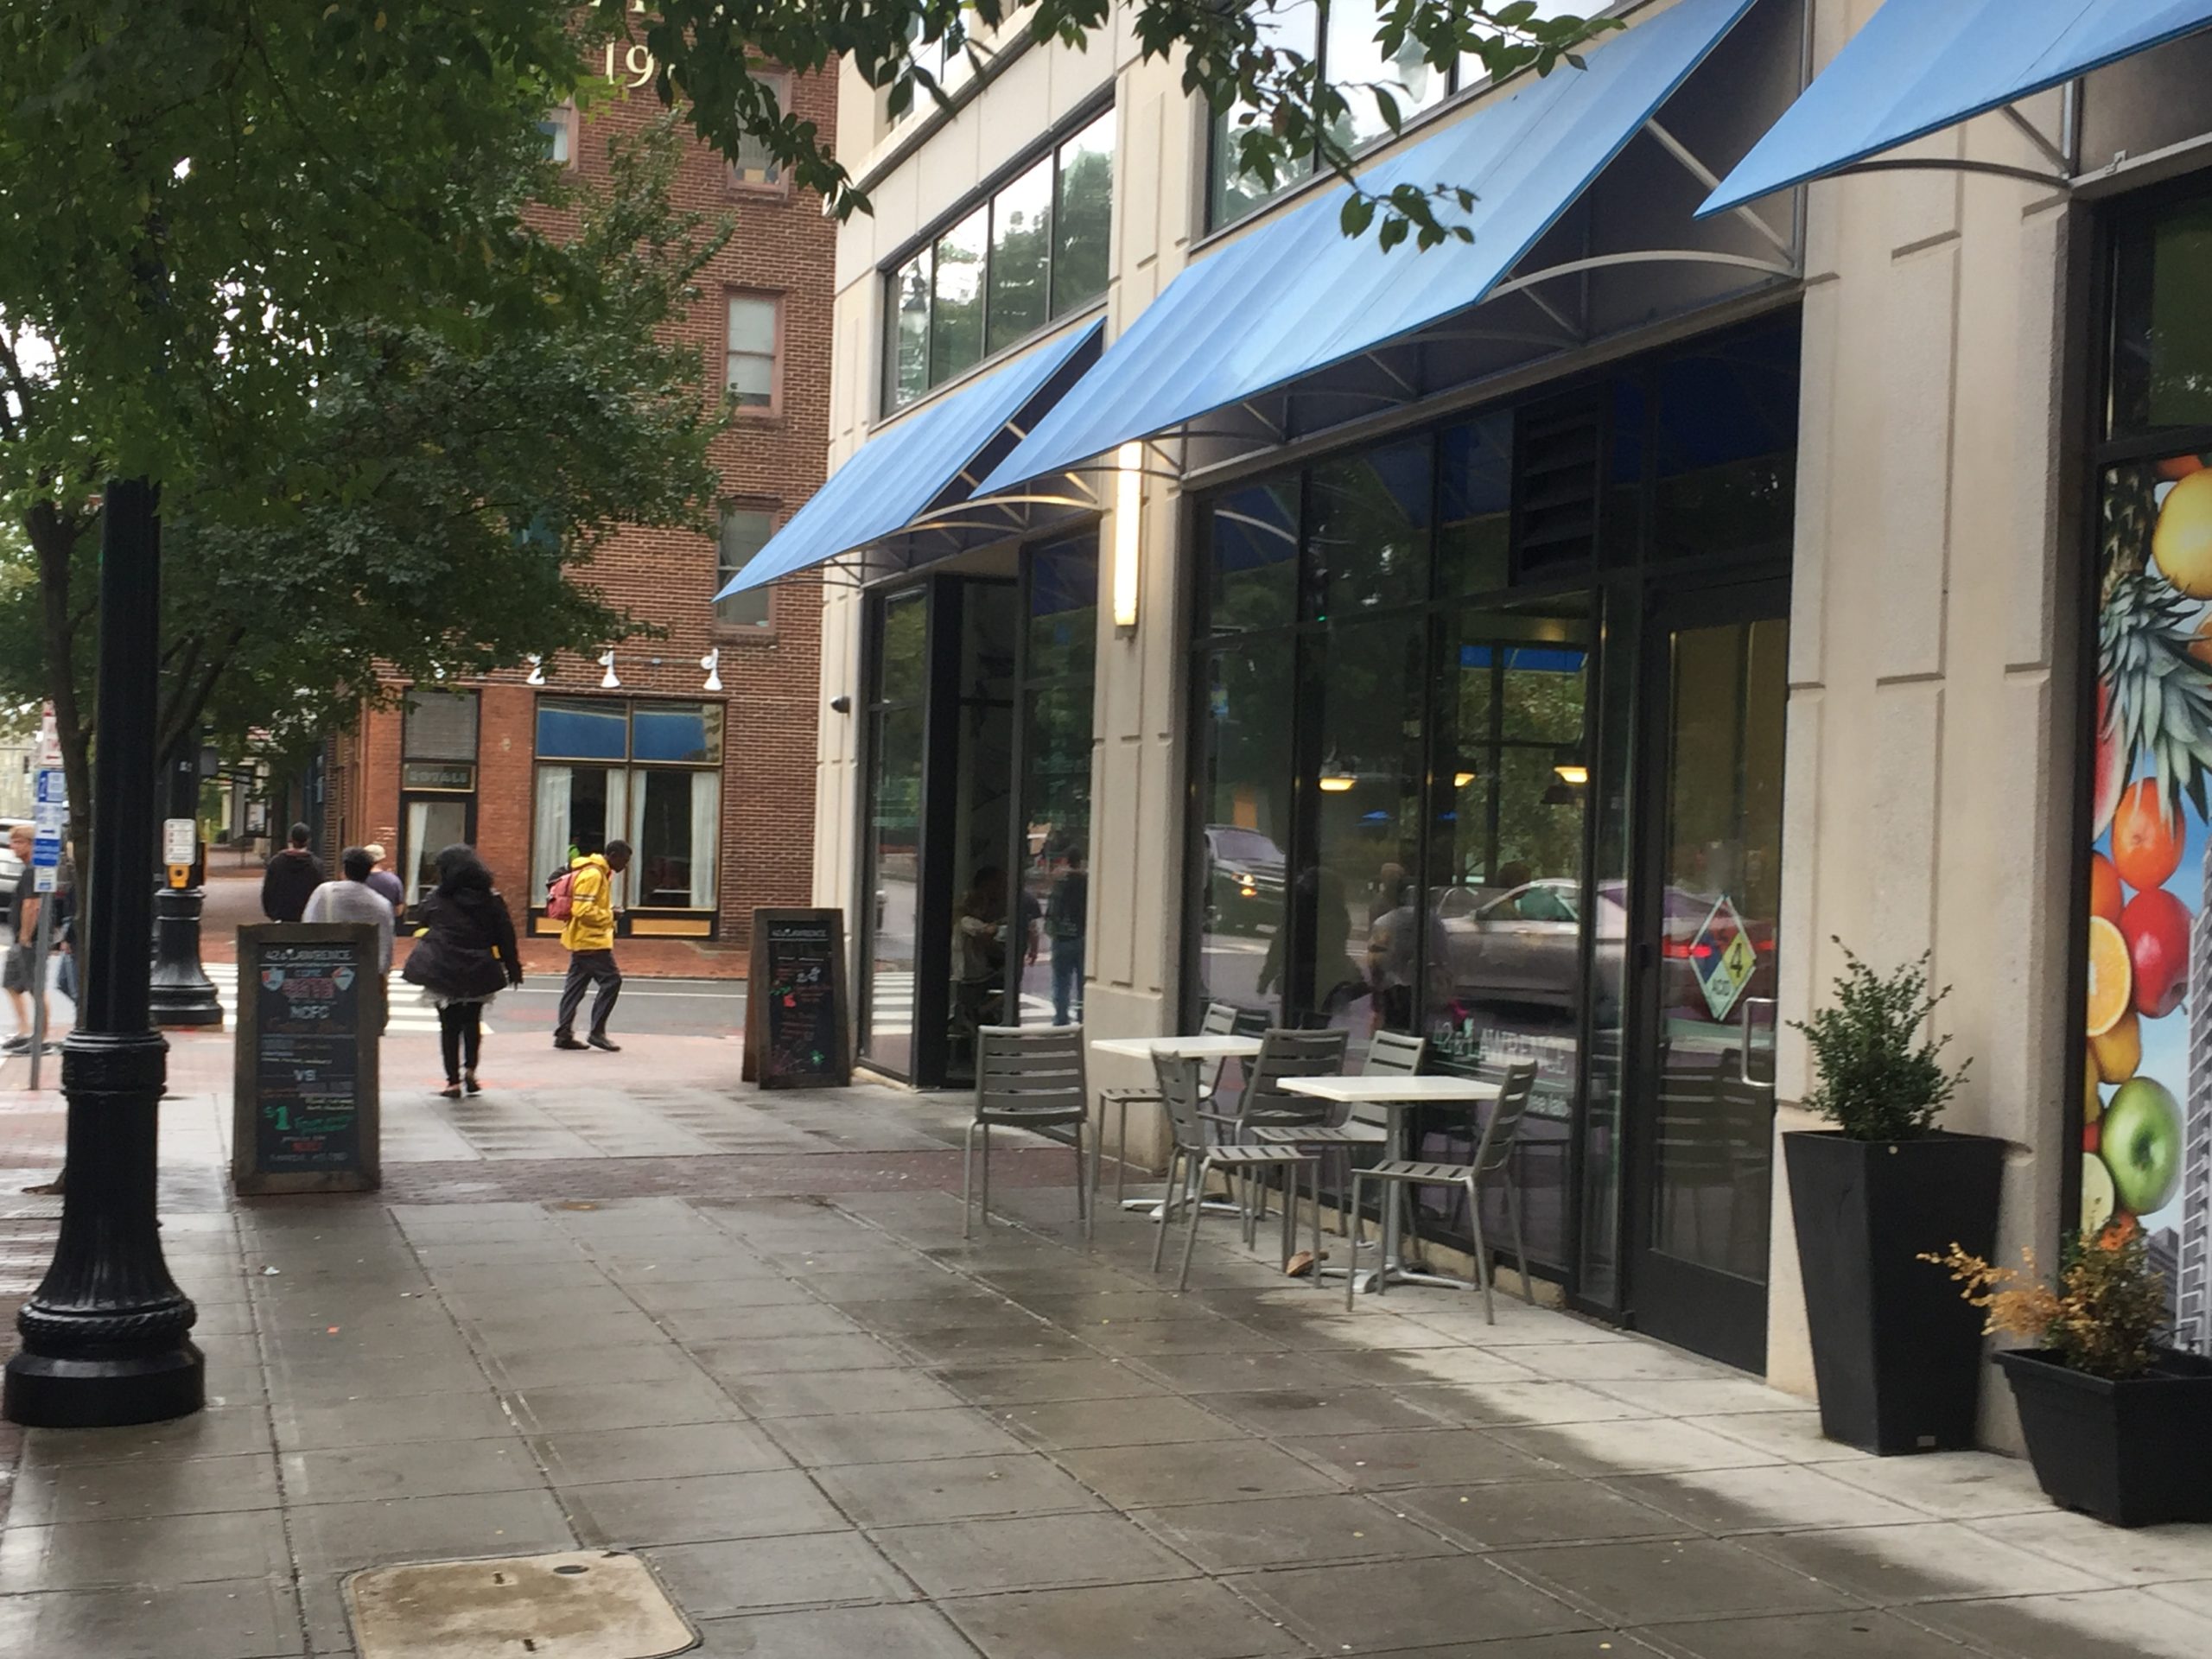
<point>561,896</point>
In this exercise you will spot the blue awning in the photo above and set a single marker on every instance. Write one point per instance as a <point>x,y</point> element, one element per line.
<point>1297,294</point>
<point>929,459</point>
<point>1920,66</point>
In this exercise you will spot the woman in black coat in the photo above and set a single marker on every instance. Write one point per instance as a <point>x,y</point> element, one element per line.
<point>464,955</point>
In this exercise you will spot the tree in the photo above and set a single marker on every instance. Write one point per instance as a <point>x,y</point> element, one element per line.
<point>370,463</point>
<point>279,257</point>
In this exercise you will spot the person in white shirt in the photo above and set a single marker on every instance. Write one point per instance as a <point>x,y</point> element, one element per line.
<point>353,900</point>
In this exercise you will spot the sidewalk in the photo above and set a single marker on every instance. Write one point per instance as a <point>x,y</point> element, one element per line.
<point>740,1334</point>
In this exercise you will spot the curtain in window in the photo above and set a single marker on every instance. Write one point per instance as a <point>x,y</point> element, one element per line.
<point>549,852</point>
<point>706,812</point>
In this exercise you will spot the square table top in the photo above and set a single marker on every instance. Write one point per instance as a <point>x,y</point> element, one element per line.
<point>1179,1048</point>
<point>1385,1090</point>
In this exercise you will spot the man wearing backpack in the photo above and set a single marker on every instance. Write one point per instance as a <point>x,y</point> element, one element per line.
<point>584,902</point>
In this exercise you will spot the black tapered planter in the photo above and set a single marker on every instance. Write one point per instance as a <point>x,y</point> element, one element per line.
<point>1897,1352</point>
<point>2134,1453</point>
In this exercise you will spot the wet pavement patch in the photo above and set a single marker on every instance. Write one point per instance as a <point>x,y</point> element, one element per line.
<point>580,1604</point>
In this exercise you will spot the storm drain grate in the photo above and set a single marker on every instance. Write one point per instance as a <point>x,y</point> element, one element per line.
<point>585,1605</point>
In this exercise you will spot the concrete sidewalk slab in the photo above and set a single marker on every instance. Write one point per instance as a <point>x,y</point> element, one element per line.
<point>833,1426</point>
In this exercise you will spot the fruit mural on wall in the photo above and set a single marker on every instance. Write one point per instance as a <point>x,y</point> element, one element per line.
<point>2146,1126</point>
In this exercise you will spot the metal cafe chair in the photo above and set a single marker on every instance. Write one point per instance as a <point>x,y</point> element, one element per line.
<point>1194,1155</point>
<point>1026,1077</point>
<point>1390,1053</point>
<point>1219,1021</point>
<point>1265,1103</point>
<point>1492,1160</point>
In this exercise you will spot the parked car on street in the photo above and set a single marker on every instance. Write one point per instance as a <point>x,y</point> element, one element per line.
<point>1245,880</point>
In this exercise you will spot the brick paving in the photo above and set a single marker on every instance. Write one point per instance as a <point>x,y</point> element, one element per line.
<point>771,1364</point>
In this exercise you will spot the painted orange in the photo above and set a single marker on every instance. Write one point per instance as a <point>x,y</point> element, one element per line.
<point>2106,896</point>
<point>2145,843</point>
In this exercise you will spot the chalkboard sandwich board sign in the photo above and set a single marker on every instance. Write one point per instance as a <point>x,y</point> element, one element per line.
<point>311,1008</point>
<point>798,1018</point>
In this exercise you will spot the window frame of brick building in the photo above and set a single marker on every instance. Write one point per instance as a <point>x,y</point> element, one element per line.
<point>774,355</point>
<point>437,781</point>
<point>751,152</point>
<point>749,615</point>
<point>563,129</point>
<point>917,300</point>
<point>626,807</point>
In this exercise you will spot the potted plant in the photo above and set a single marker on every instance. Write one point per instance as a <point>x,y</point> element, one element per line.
<point>1897,1358</point>
<point>2117,1425</point>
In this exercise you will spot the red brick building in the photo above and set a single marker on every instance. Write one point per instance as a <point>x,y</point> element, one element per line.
<point>705,766</point>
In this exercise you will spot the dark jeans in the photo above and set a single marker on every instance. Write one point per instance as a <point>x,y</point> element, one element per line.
<point>1067,976</point>
<point>461,1036</point>
<point>586,968</point>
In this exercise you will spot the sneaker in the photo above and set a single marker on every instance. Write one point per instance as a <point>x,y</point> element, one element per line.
<point>18,1045</point>
<point>566,1042</point>
<point>470,1085</point>
<point>597,1040</point>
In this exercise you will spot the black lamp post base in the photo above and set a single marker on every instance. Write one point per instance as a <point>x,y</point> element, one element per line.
<point>44,1392</point>
<point>180,992</point>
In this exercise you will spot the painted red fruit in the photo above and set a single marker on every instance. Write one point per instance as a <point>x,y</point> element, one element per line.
<point>2155,924</point>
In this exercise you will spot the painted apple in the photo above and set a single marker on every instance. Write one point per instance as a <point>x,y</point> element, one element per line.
<point>2156,926</point>
<point>2097,1196</point>
<point>2141,1137</point>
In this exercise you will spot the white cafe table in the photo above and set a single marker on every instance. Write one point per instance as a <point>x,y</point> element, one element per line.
<point>1396,1095</point>
<point>1193,1051</point>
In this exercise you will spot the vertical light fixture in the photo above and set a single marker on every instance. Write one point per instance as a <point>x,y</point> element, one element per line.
<point>712,662</point>
<point>606,681</point>
<point>537,669</point>
<point>1128,516</point>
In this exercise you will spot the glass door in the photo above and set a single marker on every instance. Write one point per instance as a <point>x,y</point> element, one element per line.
<point>1704,927</point>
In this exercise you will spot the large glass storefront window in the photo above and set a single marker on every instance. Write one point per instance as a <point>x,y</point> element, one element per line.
<point>649,773</point>
<point>1038,248</point>
<point>1416,681</point>
<point>890,866</point>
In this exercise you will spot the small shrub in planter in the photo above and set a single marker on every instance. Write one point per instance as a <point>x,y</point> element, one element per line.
<point>1897,1358</point>
<point>2117,1425</point>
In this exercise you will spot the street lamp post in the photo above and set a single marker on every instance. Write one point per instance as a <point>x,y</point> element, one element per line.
<point>107,1336</point>
<point>182,994</point>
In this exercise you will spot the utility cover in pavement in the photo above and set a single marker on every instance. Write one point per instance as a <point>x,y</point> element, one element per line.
<point>586,1604</point>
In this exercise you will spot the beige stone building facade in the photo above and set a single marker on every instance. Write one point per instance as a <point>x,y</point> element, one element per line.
<point>1559,666</point>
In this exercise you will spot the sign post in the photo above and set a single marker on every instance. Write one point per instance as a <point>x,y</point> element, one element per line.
<point>798,1024</point>
<point>51,809</point>
<point>305,1101</point>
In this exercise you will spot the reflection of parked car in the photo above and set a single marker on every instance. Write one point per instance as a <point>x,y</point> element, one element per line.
<point>1245,880</point>
<point>1523,946</point>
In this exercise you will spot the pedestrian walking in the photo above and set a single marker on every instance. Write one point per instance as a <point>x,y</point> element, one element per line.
<point>23,973</point>
<point>350,899</point>
<point>464,955</point>
<point>1067,914</point>
<point>292,876</point>
<point>383,880</point>
<point>588,934</point>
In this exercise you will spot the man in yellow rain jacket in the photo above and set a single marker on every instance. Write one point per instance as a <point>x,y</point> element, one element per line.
<point>589,937</point>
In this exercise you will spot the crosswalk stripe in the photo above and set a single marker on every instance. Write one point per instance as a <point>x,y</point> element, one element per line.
<point>406,1016</point>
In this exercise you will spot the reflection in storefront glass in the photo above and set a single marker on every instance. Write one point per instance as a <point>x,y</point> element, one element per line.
<point>991,940</point>
<point>1505,898</point>
<point>1056,706</point>
<point>1366,539</point>
<point>894,740</point>
<point>894,843</point>
<point>1252,573</point>
<point>1245,795</point>
<point>1353,899</point>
